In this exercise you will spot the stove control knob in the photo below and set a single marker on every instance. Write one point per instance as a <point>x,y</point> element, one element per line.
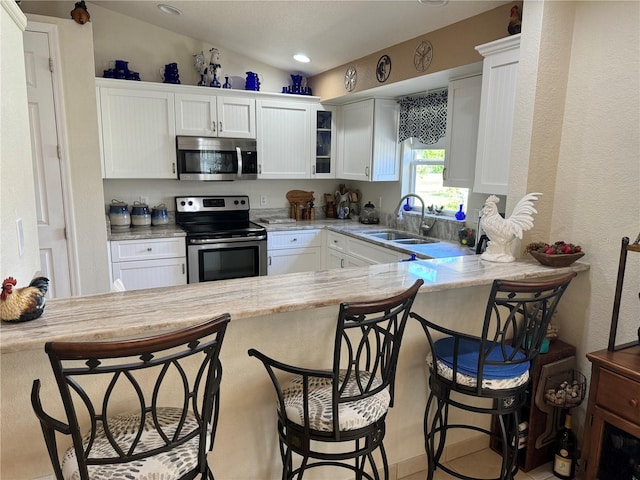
<point>183,203</point>
<point>243,202</point>
<point>190,203</point>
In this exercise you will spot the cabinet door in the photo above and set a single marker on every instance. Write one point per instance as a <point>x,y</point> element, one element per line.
<point>323,163</point>
<point>463,113</point>
<point>236,117</point>
<point>138,133</point>
<point>497,105</point>
<point>283,138</point>
<point>151,273</point>
<point>356,122</point>
<point>196,115</point>
<point>385,161</point>
<point>294,260</point>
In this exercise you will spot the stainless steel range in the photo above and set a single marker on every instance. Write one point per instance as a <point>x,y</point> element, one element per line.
<point>221,241</point>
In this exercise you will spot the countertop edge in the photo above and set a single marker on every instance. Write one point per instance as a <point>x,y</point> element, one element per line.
<point>117,315</point>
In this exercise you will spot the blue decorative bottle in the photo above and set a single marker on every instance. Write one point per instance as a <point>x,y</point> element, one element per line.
<point>460,215</point>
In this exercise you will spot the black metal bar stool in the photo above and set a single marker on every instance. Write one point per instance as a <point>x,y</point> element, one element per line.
<point>169,386</point>
<point>345,406</point>
<point>494,365</point>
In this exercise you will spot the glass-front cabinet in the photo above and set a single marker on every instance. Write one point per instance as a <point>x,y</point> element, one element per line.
<point>324,156</point>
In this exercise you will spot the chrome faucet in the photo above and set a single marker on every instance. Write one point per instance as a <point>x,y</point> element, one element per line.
<point>424,228</point>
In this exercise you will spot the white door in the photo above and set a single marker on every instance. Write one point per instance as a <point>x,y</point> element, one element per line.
<point>54,256</point>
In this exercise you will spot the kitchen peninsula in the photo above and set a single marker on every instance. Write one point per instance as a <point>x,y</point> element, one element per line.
<point>290,317</point>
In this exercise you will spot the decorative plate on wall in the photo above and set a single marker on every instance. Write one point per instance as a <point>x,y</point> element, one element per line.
<point>423,56</point>
<point>383,69</point>
<point>350,78</point>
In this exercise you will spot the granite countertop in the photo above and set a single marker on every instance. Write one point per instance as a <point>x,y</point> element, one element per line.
<point>439,249</point>
<point>138,233</point>
<point>139,312</point>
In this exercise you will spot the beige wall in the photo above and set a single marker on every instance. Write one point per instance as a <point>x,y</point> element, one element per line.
<point>579,143</point>
<point>16,170</point>
<point>453,46</point>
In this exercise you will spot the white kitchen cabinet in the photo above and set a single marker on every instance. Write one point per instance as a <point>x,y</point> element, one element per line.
<point>497,106</point>
<point>463,114</point>
<point>283,138</point>
<point>294,251</point>
<point>323,156</point>
<point>368,141</point>
<point>215,116</point>
<point>149,263</point>
<point>344,251</point>
<point>137,132</point>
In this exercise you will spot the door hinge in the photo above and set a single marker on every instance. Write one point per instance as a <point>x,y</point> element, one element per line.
<point>51,64</point>
<point>59,151</point>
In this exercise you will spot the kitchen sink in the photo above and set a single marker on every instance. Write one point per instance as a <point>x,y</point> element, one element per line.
<point>398,236</point>
<point>415,241</point>
<point>391,236</point>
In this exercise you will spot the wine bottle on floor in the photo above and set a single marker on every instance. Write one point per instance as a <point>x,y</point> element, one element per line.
<point>564,463</point>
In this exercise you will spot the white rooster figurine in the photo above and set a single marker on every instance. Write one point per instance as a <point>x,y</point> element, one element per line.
<point>502,231</point>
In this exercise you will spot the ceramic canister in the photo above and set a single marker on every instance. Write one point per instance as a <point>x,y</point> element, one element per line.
<point>119,215</point>
<point>140,215</point>
<point>159,215</point>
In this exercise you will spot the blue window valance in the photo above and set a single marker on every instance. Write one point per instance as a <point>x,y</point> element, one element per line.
<point>424,118</point>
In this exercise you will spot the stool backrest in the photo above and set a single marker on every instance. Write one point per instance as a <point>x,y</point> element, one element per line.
<point>368,338</point>
<point>180,370</point>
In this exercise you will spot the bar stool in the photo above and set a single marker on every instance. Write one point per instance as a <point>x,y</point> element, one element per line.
<point>494,366</point>
<point>169,386</point>
<point>345,406</point>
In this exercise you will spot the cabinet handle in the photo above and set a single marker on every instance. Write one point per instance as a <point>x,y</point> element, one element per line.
<point>633,402</point>
<point>213,126</point>
<point>444,173</point>
<point>269,260</point>
<point>314,170</point>
<point>173,167</point>
<point>259,169</point>
<point>220,127</point>
<point>294,239</point>
<point>342,263</point>
<point>149,249</point>
<point>366,171</point>
<point>183,270</point>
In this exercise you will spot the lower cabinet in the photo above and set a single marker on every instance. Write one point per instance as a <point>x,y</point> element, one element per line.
<point>149,263</point>
<point>344,251</point>
<point>294,251</point>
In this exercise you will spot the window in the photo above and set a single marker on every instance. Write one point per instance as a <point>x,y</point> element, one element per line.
<point>426,164</point>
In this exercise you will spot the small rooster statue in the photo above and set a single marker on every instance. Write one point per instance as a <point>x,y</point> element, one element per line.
<point>502,231</point>
<point>515,21</point>
<point>23,304</point>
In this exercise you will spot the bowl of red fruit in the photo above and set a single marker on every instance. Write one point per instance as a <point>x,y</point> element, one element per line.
<point>559,254</point>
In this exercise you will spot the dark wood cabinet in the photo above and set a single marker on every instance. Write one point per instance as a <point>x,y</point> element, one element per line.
<point>611,441</point>
<point>536,453</point>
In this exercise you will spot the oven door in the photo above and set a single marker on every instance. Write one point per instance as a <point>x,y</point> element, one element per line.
<point>225,259</point>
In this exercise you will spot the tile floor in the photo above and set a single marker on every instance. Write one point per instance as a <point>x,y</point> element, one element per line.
<point>485,464</point>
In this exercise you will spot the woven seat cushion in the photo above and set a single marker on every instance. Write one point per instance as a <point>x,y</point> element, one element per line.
<point>166,466</point>
<point>352,415</point>
<point>495,377</point>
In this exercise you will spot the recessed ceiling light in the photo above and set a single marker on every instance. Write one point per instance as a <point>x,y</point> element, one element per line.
<point>168,9</point>
<point>301,57</point>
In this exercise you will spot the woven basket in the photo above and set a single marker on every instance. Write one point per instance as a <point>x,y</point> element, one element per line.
<point>557,260</point>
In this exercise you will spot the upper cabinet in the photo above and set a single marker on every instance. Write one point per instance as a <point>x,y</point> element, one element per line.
<point>215,116</point>
<point>499,78</point>
<point>368,141</point>
<point>323,163</point>
<point>284,138</point>
<point>463,111</point>
<point>137,132</point>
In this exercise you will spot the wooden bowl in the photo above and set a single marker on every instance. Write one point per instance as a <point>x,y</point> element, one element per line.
<point>556,260</point>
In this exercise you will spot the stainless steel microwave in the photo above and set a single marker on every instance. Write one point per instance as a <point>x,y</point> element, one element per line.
<point>215,159</point>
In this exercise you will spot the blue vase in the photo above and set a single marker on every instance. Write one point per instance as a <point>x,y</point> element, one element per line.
<point>460,215</point>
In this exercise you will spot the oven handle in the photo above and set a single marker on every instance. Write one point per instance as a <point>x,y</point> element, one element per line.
<point>239,155</point>
<point>207,241</point>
